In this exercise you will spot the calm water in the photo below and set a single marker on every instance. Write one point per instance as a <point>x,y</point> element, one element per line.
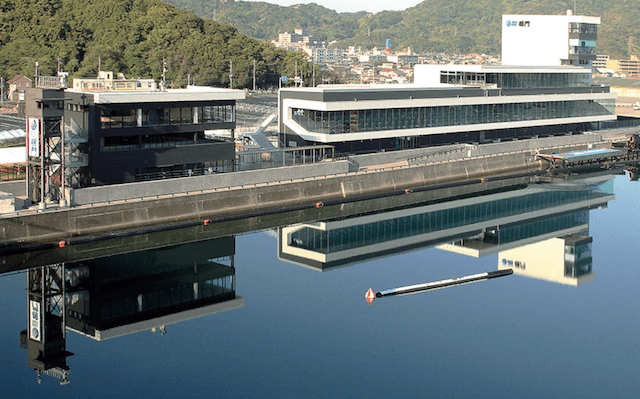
<point>555,328</point>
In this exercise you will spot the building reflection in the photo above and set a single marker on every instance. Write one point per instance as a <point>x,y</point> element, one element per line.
<point>112,296</point>
<point>565,260</point>
<point>45,336</point>
<point>476,226</point>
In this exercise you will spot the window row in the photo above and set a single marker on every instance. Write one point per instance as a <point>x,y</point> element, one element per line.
<point>170,297</point>
<point>582,50</point>
<point>137,117</point>
<point>120,143</point>
<point>371,120</point>
<point>579,27</point>
<point>387,230</point>
<point>517,80</point>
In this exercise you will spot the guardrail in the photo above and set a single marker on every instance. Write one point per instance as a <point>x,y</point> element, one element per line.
<point>346,158</point>
<point>440,153</point>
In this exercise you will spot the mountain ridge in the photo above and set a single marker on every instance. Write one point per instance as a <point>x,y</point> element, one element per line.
<point>459,26</point>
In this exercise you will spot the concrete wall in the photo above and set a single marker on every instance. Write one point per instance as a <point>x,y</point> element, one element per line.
<point>193,198</point>
<point>155,188</point>
<point>66,222</point>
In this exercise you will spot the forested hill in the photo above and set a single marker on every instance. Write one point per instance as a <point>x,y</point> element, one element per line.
<point>132,37</point>
<point>265,20</point>
<point>460,26</point>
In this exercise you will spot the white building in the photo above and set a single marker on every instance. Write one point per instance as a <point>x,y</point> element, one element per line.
<point>324,54</point>
<point>107,81</point>
<point>447,104</point>
<point>544,40</point>
<point>299,36</point>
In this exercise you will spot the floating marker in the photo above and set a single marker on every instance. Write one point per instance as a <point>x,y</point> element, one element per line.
<point>370,296</point>
<point>412,289</point>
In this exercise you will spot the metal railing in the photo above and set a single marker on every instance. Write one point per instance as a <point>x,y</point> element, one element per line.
<point>277,157</point>
<point>76,160</point>
<point>49,82</point>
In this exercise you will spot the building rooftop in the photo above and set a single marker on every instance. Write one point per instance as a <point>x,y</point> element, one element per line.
<point>510,68</point>
<point>432,68</point>
<point>569,16</point>
<point>191,93</point>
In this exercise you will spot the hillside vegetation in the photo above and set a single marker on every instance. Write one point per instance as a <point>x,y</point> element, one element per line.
<point>459,26</point>
<point>132,37</point>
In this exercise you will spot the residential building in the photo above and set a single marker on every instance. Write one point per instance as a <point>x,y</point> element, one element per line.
<point>299,36</point>
<point>627,68</point>
<point>17,85</point>
<point>408,60</point>
<point>324,54</point>
<point>600,62</point>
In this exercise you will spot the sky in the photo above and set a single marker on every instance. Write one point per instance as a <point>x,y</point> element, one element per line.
<point>374,6</point>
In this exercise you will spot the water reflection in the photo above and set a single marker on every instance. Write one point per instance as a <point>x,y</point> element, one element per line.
<point>515,216</point>
<point>565,260</point>
<point>112,288</point>
<point>112,296</point>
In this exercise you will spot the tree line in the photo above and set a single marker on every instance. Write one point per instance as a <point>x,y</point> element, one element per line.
<point>133,37</point>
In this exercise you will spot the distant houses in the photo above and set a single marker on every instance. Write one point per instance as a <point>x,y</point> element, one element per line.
<point>378,65</point>
<point>17,85</point>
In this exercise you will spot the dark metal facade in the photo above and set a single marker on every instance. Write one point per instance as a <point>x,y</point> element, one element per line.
<point>79,149</point>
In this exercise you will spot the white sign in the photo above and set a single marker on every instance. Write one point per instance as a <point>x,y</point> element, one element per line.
<point>34,137</point>
<point>35,321</point>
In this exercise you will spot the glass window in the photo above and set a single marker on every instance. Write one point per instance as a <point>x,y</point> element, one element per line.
<point>187,115</point>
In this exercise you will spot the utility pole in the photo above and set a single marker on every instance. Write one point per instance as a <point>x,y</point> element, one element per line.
<point>164,73</point>
<point>295,75</point>
<point>1,92</point>
<point>314,74</point>
<point>231,74</point>
<point>254,74</point>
